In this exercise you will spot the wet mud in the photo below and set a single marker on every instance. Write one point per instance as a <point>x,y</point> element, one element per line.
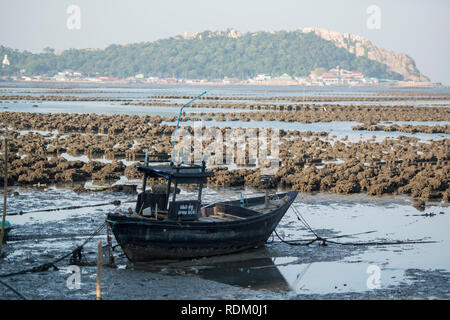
<point>275,271</point>
<point>41,146</point>
<point>397,187</point>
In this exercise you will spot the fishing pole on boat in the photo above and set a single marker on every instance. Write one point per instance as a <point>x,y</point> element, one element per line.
<point>178,122</point>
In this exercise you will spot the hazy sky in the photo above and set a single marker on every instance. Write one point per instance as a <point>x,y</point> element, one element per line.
<point>419,28</point>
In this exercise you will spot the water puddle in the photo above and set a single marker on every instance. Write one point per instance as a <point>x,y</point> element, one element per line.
<point>339,129</point>
<point>334,268</point>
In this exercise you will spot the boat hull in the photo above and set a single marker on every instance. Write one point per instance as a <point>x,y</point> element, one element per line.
<point>145,240</point>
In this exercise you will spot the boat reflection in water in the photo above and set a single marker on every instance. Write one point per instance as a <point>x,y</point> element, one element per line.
<point>256,270</point>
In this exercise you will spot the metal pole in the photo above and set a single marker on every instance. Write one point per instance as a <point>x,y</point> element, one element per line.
<point>200,185</point>
<point>144,183</point>
<point>5,185</point>
<point>168,192</point>
<point>146,157</point>
<point>178,123</point>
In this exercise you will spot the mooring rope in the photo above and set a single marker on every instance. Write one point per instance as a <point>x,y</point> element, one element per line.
<point>13,290</point>
<point>114,202</point>
<point>303,220</point>
<point>307,242</point>
<point>325,240</point>
<point>47,266</point>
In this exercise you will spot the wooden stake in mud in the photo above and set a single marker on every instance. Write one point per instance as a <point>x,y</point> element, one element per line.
<point>99,270</point>
<point>5,184</point>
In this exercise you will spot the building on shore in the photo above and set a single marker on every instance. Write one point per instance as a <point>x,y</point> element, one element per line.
<point>338,76</point>
<point>5,61</point>
<point>266,80</point>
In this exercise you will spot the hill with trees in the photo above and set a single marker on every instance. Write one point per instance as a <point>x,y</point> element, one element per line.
<point>210,55</point>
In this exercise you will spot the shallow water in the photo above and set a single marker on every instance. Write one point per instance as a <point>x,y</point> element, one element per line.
<point>340,129</point>
<point>103,107</point>
<point>299,271</point>
<point>225,90</point>
<point>393,220</point>
<point>145,91</point>
<point>275,269</point>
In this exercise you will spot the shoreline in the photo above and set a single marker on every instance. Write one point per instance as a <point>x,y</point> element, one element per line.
<point>406,85</point>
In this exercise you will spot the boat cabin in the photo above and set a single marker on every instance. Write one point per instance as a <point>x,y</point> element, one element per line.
<point>157,204</point>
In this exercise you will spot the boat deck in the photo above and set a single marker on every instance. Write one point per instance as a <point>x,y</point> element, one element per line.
<point>222,212</point>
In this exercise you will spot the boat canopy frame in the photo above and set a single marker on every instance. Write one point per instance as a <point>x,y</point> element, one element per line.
<point>181,174</point>
<point>177,174</point>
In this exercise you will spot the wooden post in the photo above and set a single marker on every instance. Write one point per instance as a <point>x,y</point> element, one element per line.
<point>5,185</point>
<point>99,270</point>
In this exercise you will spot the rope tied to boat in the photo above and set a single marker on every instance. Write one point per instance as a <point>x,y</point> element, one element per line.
<point>306,224</point>
<point>13,290</point>
<point>114,203</point>
<point>46,266</point>
<point>325,240</point>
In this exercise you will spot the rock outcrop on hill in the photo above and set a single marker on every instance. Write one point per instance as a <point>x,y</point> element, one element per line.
<point>396,62</point>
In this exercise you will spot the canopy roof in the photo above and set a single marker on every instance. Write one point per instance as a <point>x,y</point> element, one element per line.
<point>187,174</point>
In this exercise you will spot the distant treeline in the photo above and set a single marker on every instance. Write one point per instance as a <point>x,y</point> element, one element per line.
<point>205,56</point>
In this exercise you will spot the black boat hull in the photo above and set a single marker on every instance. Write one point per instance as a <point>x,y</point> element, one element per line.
<point>145,240</point>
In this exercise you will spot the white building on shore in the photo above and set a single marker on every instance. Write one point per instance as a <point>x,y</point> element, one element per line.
<point>338,76</point>
<point>5,61</point>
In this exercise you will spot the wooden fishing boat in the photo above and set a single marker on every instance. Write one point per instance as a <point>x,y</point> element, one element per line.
<point>163,229</point>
